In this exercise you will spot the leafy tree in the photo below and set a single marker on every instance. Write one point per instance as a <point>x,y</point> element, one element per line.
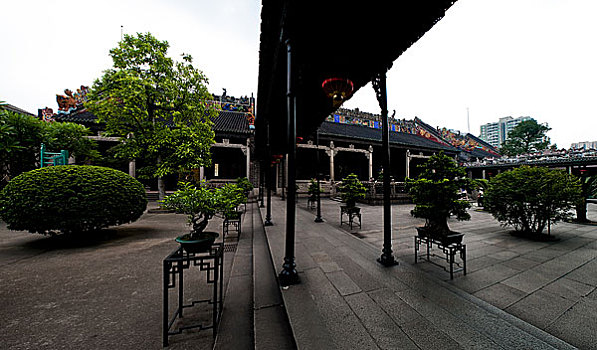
<point>21,137</point>
<point>531,198</point>
<point>527,137</point>
<point>588,189</point>
<point>158,104</point>
<point>435,193</point>
<point>352,190</point>
<point>71,136</point>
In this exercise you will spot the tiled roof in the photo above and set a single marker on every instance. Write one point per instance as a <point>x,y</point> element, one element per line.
<point>81,116</point>
<point>371,134</point>
<point>231,122</point>
<point>225,122</point>
<point>481,142</point>
<point>16,109</point>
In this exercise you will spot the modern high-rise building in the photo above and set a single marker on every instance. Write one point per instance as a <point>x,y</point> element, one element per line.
<point>584,145</point>
<point>496,133</point>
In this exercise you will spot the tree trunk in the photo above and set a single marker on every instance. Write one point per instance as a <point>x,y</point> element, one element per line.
<point>161,183</point>
<point>581,210</point>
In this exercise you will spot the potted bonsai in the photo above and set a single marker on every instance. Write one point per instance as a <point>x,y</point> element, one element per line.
<point>313,191</point>
<point>435,194</point>
<point>352,190</point>
<point>200,204</point>
<point>245,185</point>
<point>231,196</point>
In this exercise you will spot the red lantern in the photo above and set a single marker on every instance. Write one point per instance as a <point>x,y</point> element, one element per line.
<point>338,89</point>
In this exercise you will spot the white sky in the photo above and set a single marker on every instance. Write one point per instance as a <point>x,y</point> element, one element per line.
<point>496,58</point>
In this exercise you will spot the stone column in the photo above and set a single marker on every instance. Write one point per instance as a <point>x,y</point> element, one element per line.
<point>132,168</point>
<point>370,157</point>
<point>408,163</point>
<point>331,153</point>
<point>248,155</point>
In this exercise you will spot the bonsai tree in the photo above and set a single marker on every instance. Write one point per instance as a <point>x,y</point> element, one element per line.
<point>245,185</point>
<point>201,203</point>
<point>435,194</point>
<point>531,198</point>
<point>352,190</point>
<point>230,197</point>
<point>313,190</point>
<point>197,202</point>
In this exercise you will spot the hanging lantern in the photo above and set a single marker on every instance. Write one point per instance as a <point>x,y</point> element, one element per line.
<point>338,89</point>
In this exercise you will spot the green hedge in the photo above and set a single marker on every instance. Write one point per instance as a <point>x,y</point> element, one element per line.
<point>71,199</point>
<point>531,198</point>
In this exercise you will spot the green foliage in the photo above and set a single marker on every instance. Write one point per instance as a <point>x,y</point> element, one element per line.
<point>71,199</point>
<point>313,189</point>
<point>588,190</point>
<point>21,137</point>
<point>527,137</point>
<point>480,183</point>
<point>71,137</point>
<point>230,196</point>
<point>245,184</point>
<point>158,103</point>
<point>435,192</point>
<point>201,203</point>
<point>352,190</point>
<point>530,198</point>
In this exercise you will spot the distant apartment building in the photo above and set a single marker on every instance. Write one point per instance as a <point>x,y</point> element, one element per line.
<point>584,145</point>
<point>496,133</point>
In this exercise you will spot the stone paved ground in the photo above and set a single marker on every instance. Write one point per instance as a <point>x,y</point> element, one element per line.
<point>101,293</point>
<point>551,285</point>
<point>106,293</point>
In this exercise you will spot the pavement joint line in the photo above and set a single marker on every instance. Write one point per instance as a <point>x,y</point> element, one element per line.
<point>532,331</point>
<point>515,321</point>
<point>562,314</point>
<point>267,306</point>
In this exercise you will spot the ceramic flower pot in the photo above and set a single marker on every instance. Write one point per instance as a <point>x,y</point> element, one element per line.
<point>198,245</point>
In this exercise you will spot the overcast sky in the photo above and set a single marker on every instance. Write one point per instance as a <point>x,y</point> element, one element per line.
<point>501,58</point>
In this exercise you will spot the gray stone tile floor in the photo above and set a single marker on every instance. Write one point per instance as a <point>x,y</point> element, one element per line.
<point>550,285</point>
<point>106,292</point>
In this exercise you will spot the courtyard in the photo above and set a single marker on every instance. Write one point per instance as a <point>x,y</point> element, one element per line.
<point>107,292</point>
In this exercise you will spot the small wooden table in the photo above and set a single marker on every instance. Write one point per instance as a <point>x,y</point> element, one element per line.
<point>449,252</point>
<point>212,262</point>
<point>351,213</point>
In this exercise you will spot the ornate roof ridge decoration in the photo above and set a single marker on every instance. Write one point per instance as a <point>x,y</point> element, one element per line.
<point>414,126</point>
<point>70,102</point>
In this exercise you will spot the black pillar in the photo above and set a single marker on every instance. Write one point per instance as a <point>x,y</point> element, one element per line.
<point>261,185</point>
<point>318,175</point>
<point>379,84</point>
<point>289,275</point>
<point>268,184</point>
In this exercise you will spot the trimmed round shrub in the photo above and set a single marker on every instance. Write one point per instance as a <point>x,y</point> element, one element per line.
<point>71,199</point>
<point>531,198</point>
